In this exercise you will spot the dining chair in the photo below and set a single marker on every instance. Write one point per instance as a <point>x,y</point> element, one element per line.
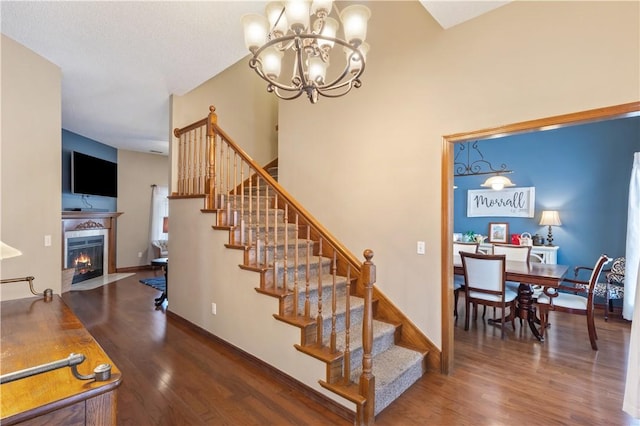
<point>612,288</point>
<point>513,253</point>
<point>458,280</point>
<point>574,297</point>
<point>485,276</point>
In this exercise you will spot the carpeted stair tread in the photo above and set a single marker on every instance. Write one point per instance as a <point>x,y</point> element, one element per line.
<point>395,370</point>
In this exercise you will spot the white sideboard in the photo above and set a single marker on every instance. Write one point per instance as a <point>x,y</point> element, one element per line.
<point>547,254</point>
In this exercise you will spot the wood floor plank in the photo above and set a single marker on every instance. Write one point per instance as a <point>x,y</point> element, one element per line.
<point>173,375</point>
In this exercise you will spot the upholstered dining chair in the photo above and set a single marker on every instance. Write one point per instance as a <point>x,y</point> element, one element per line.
<point>514,253</point>
<point>485,276</point>
<point>573,297</point>
<point>458,280</point>
<point>612,288</point>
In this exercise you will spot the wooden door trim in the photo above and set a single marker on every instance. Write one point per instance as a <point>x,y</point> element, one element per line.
<point>448,148</point>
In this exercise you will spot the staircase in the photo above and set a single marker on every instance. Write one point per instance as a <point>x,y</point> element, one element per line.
<point>395,367</point>
<point>372,352</point>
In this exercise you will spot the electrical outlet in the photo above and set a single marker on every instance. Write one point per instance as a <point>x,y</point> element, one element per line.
<point>421,247</point>
<point>139,254</point>
<point>47,240</point>
<point>213,308</point>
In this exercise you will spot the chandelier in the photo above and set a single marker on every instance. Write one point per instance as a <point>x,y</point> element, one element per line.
<point>288,33</point>
<point>476,165</point>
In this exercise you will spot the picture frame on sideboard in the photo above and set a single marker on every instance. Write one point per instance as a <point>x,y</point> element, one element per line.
<point>498,232</point>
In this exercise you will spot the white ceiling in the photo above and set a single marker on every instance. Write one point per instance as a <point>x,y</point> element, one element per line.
<point>122,60</point>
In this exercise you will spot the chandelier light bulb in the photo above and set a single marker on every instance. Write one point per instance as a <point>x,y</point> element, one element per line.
<point>271,59</point>
<point>329,29</point>
<point>317,69</point>
<point>297,12</point>
<point>255,31</point>
<point>277,18</point>
<point>356,58</point>
<point>354,18</point>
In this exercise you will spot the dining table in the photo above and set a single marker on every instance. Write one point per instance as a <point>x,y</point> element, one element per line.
<point>528,274</point>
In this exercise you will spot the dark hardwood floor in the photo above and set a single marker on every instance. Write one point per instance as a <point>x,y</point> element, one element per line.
<point>173,375</point>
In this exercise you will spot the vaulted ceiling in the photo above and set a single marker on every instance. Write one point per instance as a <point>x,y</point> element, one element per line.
<point>121,61</point>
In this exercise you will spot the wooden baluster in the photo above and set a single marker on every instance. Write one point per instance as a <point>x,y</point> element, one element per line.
<point>203,172</point>
<point>220,174</point>
<point>180,164</point>
<point>227,189</point>
<point>367,379</point>
<point>285,254</point>
<point>190,172</point>
<point>242,204</point>
<point>267,235</point>
<point>319,321</point>
<point>333,303</point>
<point>295,265</point>
<point>211,173</point>
<point>307,302</point>
<point>235,189</point>
<point>198,132</point>
<point>347,326</point>
<point>259,238</point>
<point>251,234</point>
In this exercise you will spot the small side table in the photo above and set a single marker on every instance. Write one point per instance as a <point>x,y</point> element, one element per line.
<point>164,263</point>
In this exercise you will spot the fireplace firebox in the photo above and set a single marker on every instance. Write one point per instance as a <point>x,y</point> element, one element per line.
<point>86,255</point>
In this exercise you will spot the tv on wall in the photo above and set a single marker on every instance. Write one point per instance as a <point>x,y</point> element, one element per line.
<point>93,176</point>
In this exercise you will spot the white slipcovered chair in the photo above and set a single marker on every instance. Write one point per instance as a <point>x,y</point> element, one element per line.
<point>161,248</point>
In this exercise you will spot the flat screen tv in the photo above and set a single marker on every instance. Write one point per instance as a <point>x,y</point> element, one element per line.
<point>93,176</point>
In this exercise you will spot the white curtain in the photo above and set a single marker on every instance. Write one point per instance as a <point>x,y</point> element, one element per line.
<point>633,241</point>
<point>631,403</point>
<point>159,209</point>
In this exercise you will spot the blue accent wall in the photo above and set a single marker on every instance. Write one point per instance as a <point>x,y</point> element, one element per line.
<point>582,171</point>
<point>74,142</point>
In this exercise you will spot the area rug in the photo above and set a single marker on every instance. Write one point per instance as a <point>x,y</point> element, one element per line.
<point>156,282</point>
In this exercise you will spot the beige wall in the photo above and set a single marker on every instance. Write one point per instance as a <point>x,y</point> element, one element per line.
<point>137,171</point>
<point>381,149</point>
<point>30,173</point>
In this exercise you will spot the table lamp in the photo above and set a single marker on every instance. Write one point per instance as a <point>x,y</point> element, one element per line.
<point>550,218</point>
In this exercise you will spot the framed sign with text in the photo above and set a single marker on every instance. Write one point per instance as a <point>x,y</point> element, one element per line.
<point>508,202</point>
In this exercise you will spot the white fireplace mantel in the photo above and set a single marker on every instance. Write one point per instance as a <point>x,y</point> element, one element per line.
<point>76,221</point>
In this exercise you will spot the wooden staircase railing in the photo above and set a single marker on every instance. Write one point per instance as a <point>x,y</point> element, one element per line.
<point>275,231</point>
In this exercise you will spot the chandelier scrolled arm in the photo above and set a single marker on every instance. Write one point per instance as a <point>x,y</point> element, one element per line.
<point>300,83</point>
<point>309,47</point>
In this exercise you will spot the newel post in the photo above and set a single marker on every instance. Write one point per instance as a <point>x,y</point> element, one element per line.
<point>367,379</point>
<point>210,177</point>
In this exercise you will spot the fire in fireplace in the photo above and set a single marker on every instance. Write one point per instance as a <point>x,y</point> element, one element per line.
<point>85,255</point>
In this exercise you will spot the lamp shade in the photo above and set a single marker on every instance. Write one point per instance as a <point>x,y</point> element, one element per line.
<point>6,251</point>
<point>550,218</point>
<point>498,182</point>
<point>354,18</point>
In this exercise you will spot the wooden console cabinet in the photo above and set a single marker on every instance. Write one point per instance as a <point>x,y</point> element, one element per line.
<point>36,332</point>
